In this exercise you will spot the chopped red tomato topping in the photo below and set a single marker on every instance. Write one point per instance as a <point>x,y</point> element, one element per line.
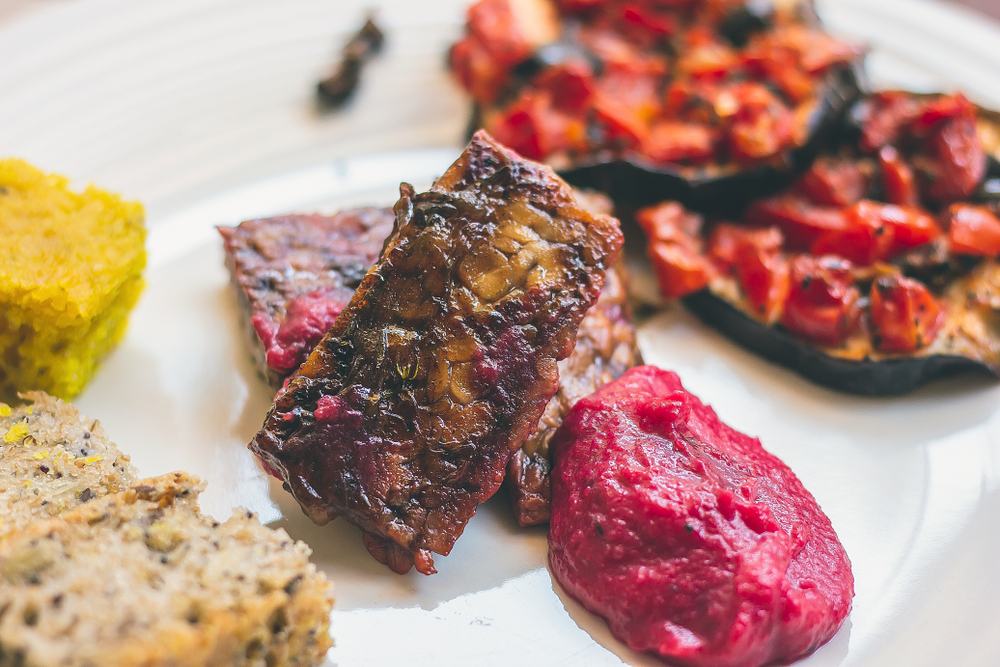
<point>761,124</point>
<point>897,178</point>
<point>952,160</point>
<point>763,271</point>
<point>886,114</point>
<point>571,85</point>
<point>801,221</point>
<point>973,230</point>
<point>621,125</point>
<point>476,69</point>
<point>904,315</point>
<point>680,270</point>
<point>644,24</point>
<point>833,181</point>
<point>533,128</point>
<point>822,303</point>
<point>877,231</point>
<point>723,245</point>
<point>674,250</point>
<point>670,141</point>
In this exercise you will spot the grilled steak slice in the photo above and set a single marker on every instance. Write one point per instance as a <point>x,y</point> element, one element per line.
<point>606,347</point>
<point>404,416</point>
<point>295,273</point>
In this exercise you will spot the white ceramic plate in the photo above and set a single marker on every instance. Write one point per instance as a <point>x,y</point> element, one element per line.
<point>203,109</point>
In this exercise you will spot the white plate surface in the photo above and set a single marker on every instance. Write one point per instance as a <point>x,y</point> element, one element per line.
<point>203,109</point>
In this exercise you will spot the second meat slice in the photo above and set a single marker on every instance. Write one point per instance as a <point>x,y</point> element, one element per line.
<point>405,415</point>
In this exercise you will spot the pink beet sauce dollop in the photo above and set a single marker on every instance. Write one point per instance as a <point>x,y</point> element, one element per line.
<point>690,539</point>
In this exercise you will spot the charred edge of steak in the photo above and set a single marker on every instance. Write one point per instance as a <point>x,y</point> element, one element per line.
<point>404,416</point>
<point>274,262</point>
<point>606,347</point>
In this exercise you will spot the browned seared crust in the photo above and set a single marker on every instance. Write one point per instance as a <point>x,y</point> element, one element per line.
<point>606,347</point>
<point>140,579</point>
<point>304,261</point>
<point>405,415</point>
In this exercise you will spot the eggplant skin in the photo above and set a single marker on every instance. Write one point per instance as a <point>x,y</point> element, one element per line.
<point>867,377</point>
<point>721,189</point>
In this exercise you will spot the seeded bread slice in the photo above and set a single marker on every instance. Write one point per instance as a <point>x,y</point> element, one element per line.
<point>140,578</point>
<point>52,458</point>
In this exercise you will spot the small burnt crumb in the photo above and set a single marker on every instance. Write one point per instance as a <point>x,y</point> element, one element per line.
<point>44,469</point>
<point>86,495</point>
<point>879,231</point>
<point>806,282</point>
<point>689,528</point>
<point>59,475</point>
<point>86,435</point>
<point>338,88</point>
<point>599,528</point>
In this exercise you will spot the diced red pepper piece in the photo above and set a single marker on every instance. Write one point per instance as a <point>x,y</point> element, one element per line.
<point>494,24</point>
<point>623,126</point>
<point>571,85</point>
<point>973,230</point>
<point>674,249</point>
<point>822,303</point>
<point>679,269</point>
<point>897,178</point>
<point>912,226</point>
<point>937,109</point>
<point>867,238</point>
<point>668,221</point>
<point>763,272</point>
<point>761,126</point>
<point>477,70</point>
<point>905,316</point>
<point>952,160</point>
<point>801,221</point>
<point>672,141</point>
<point>645,24</point>
<point>533,128</point>
<point>705,56</point>
<point>833,181</point>
<point>724,244</point>
<point>886,114</point>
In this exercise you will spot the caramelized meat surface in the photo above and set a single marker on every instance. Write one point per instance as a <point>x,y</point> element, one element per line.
<point>295,273</point>
<point>606,347</point>
<point>405,415</point>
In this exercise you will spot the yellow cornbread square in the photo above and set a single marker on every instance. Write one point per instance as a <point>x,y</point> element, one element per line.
<point>70,270</point>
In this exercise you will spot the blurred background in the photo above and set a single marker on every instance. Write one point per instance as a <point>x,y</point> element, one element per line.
<point>10,8</point>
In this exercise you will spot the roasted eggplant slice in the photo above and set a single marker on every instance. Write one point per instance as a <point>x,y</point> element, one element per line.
<point>720,188</point>
<point>969,342</point>
<point>405,415</point>
<point>704,103</point>
<point>876,271</point>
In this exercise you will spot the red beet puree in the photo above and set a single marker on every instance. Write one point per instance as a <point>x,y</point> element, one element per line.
<point>691,540</point>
